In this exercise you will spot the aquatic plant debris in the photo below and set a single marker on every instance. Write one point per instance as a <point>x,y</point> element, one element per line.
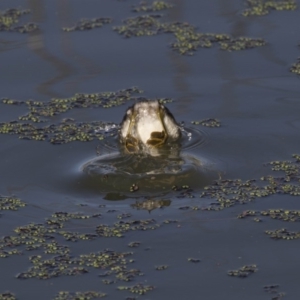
<point>137,289</point>
<point>229,192</point>
<point>42,111</point>
<point>187,38</point>
<point>161,267</point>
<point>65,295</point>
<point>31,126</point>
<point>295,68</point>
<point>7,296</point>
<point>88,24</point>
<point>283,234</point>
<point>264,7</point>
<point>153,7</point>
<point>208,123</point>
<point>10,18</point>
<point>151,204</point>
<point>61,133</point>
<point>55,259</point>
<point>272,289</point>
<point>10,203</point>
<point>244,271</point>
<point>67,130</point>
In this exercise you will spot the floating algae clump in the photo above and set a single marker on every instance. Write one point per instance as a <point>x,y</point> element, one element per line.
<point>7,296</point>
<point>241,43</point>
<point>295,68</point>
<point>10,17</point>
<point>64,295</point>
<point>283,234</point>
<point>264,7</point>
<point>10,203</point>
<point>88,24</point>
<point>155,6</point>
<point>161,267</point>
<point>208,123</point>
<point>63,263</point>
<point>283,215</point>
<point>137,289</point>
<point>67,130</point>
<point>121,227</point>
<point>151,204</point>
<point>69,265</point>
<point>230,192</point>
<point>40,111</point>
<point>188,40</point>
<point>243,272</point>
<point>61,133</point>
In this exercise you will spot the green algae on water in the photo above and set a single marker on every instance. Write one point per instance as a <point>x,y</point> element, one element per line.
<point>139,289</point>
<point>244,271</point>
<point>153,7</point>
<point>68,130</point>
<point>187,38</point>
<point>283,234</point>
<point>295,68</point>
<point>208,123</point>
<point>86,24</point>
<point>61,133</point>
<point>151,204</point>
<point>11,203</point>
<point>231,192</point>
<point>241,43</point>
<point>65,295</point>
<point>161,267</point>
<point>264,7</point>
<point>286,215</point>
<point>273,290</point>
<point>9,20</point>
<point>42,111</point>
<point>7,296</point>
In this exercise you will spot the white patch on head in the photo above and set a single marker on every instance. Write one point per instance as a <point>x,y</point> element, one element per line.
<point>147,119</point>
<point>146,126</point>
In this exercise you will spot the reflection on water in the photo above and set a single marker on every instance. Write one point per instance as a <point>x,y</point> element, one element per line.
<point>117,172</point>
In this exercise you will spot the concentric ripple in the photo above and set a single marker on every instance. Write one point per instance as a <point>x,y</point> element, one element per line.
<point>115,172</point>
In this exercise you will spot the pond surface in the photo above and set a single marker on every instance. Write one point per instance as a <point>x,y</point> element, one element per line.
<point>194,240</point>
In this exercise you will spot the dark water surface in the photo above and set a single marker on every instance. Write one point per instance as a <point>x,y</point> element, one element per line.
<point>252,93</point>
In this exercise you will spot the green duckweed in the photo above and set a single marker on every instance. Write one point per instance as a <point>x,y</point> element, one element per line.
<point>11,203</point>
<point>207,123</point>
<point>65,295</point>
<point>139,289</point>
<point>264,7</point>
<point>228,193</point>
<point>151,204</point>
<point>244,271</point>
<point>161,267</point>
<point>187,38</point>
<point>153,7</point>
<point>42,111</point>
<point>283,234</point>
<point>86,24</point>
<point>273,290</point>
<point>7,296</point>
<point>10,18</point>
<point>295,68</point>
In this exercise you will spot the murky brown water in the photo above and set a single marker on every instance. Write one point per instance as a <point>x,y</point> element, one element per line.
<point>252,93</point>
